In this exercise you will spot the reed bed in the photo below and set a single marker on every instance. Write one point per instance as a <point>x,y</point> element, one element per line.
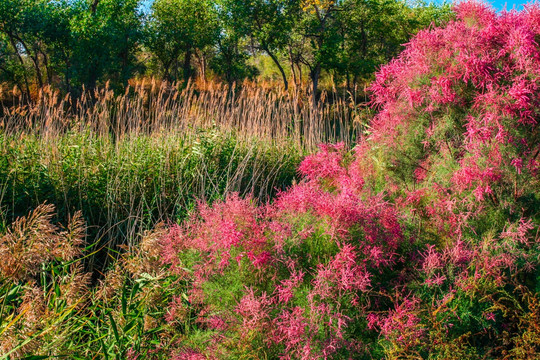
<point>146,156</point>
<point>127,186</point>
<point>152,106</point>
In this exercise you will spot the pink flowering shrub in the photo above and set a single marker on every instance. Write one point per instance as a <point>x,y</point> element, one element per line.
<point>421,243</point>
<point>459,107</point>
<point>289,277</point>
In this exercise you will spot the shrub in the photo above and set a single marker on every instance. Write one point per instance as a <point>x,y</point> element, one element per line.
<point>422,243</point>
<point>292,276</point>
<point>459,108</point>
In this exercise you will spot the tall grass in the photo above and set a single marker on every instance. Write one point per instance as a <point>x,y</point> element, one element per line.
<point>132,160</point>
<point>124,187</point>
<point>248,111</point>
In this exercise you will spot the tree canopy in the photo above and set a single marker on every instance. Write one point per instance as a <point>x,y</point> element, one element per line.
<point>76,44</point>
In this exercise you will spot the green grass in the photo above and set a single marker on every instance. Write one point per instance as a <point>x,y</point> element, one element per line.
<point>128,185</point>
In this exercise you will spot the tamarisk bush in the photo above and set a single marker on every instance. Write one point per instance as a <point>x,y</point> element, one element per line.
<point>459,107</point>
<point>421,243</point>
<point>291,277</point>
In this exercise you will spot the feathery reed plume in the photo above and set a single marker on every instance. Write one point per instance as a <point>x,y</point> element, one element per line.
<point>251,111</point>
<point>37,311</point>
<point>33,241</point>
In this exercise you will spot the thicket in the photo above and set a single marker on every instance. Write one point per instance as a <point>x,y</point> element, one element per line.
<point>422,242</point>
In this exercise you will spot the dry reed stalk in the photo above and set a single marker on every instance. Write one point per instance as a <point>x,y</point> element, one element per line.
<point>250,111</point>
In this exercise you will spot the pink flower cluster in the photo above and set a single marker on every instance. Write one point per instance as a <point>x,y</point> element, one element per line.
<point>304,262</point>
<point>475,83</point>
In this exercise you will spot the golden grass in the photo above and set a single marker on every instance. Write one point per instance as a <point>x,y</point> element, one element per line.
<point>150,106</point>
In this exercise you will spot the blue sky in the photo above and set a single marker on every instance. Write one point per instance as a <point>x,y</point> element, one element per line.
<point>146,4</point>
<point>499,4</point>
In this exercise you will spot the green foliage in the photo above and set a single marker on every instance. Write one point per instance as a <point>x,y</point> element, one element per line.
<point>73,44</point>
<point>269,23</point>
<point>83,42</point>
<point>374,31</point>
<point>111,29</point>
<point>231,61</point>
<point>177,27</point>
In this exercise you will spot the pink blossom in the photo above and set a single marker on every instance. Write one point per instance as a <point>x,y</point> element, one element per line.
<point>518,164</point>
<point>253,310</point>
<point>489,316</point>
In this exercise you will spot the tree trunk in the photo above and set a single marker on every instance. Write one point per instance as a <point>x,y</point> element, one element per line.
<point>187,65</point>
<point>35,61</point>
<point>175,70</point>
<point>124,55</point>
<point>94,6</point>
<point>46,64</point>
<point>348,75</point>
<point>315,74</point>
<point>92,77</point>
<point>21,61</point>
<point>202,65</point>
<point>293,71</point>
<point>165,76</point>
<point>168,63</point>
<point>276,61</point>
<point>295,79</point>
<point>67,79</point>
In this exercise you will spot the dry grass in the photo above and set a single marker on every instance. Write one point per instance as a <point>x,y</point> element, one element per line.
<point>152,106</point>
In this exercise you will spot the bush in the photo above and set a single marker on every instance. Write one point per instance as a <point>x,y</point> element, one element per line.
<point>459,108</point>
<point>421,244</point>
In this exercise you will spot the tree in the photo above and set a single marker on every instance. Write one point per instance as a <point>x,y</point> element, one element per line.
<point>375,31</point>
<point>13,26</point>
<point>178,27</point>
<point>232,50</point>
<point>268,22</point>
<point>106,35</point>
<point>36,30</point>
<point>319,27</point>
<point>11,70</point>
<point>230,61</point>
<point>57,35</point>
